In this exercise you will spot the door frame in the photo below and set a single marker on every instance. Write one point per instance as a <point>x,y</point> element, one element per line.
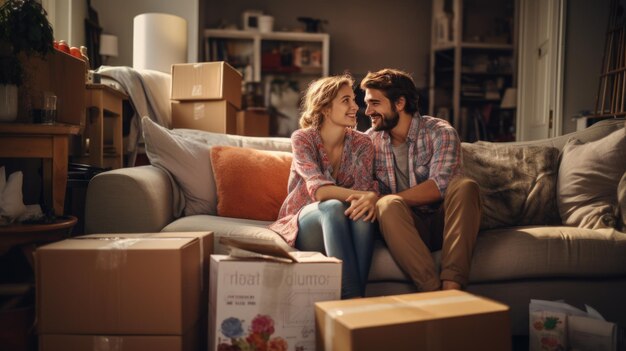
<point>528,41</point>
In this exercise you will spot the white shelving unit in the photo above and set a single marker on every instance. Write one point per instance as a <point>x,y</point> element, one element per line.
<point>256,40</point>
<point>278,64</point>
<point>472,63</point>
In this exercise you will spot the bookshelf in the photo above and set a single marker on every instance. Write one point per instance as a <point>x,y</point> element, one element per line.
<point>472,65</point>
<point>248,48</point>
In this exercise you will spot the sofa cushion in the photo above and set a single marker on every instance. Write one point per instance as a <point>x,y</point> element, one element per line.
<point>529,252</point>
<point>185,154</point>
<point>227,227</point>
<point>517,183</point>
<point>588,177</point>
<point>251,183</point>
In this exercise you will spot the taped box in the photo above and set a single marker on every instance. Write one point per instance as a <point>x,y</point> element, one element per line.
<point>123,284</point>
<point>266,302</point>
<point>556,325</point>
<point>77,342</point>
<point>441,320</point>
<point>206,81</point>
<point>210,116</point>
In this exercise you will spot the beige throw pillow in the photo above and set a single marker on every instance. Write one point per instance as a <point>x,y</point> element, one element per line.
<point>517,183</point>
<point>588,178</point>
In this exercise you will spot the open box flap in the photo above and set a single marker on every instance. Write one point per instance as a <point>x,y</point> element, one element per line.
<point>270,250</point>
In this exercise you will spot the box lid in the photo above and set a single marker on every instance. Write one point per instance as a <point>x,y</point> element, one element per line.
<point>398,309</point>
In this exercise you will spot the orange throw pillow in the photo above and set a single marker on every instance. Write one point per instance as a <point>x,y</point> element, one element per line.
<point>250,183</point>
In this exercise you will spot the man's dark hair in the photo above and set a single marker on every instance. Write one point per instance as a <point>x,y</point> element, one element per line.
<point>394,84</point>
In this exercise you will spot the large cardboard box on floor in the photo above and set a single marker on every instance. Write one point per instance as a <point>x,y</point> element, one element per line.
<point>206,81</point>
<point>269,304</point>
<point>442,320</point>
<point>77,342</point>
<point>122,284</point>
<point>211,116</point>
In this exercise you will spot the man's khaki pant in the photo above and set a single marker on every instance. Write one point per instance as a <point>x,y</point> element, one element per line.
<point>453,228</point>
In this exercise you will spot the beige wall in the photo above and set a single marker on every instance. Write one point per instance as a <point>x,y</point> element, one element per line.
<point>586,26</point>
<point>364,35</point>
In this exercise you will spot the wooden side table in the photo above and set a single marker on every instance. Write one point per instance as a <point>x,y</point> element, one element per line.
<point>102,142</point>
<point>49,142</point>
<point>16,331</point>
<point>28,236</point>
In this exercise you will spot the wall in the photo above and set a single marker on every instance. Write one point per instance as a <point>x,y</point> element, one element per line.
<point>586,25</point>
<point>116,17</point>
<point>364,35</point>
<point>67,18</point>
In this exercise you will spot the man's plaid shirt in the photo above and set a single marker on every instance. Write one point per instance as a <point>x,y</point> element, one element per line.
<point>434,153</point>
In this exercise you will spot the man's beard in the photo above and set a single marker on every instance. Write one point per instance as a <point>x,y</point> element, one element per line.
<point>388,122</point>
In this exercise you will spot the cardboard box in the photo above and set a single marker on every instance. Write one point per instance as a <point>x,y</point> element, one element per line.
<point>442,320</point>
<point>206,81</point>
<point>211,116</point>
<point>75,342</point>
<point>556,325</point>
<point>61,74</point>
<point>122,284</point>
<point>269,303</point>
<point>253,122</point>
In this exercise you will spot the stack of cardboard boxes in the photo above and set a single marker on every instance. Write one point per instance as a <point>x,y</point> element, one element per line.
<point>207,96</point>
<point>152,292</point>
<point>124,292</point>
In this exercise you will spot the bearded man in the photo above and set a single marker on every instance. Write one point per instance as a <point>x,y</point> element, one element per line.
<point>426,203</point>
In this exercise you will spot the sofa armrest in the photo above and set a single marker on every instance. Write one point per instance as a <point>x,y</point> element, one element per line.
<point>130,200</point>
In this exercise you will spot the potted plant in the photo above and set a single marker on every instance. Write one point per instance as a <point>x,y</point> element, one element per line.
<point>24,31</point>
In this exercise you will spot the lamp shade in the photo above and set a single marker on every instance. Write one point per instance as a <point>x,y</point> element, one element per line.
<point>159,40</point>
<point>510,98</point>
<point>108,45</point>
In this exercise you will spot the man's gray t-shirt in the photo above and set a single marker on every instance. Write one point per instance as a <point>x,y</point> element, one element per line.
<point>401,165</point>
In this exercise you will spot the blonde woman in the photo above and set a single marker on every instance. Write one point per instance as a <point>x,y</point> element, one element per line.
<point>331,201</point>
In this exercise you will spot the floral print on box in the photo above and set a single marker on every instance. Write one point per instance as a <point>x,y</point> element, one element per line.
<point>259,336</point>
<point>548,331</point>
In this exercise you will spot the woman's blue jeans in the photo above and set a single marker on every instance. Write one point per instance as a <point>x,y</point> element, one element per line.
<point>323,227</point>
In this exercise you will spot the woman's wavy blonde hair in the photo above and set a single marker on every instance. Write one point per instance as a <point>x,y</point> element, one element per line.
<point>318,96</point>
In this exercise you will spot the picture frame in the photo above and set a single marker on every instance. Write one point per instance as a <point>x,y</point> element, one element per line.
<point>251,19</point>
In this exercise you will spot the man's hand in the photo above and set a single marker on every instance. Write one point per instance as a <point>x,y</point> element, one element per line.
<point>362,205</point>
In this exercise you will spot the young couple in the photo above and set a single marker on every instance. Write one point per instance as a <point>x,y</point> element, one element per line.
<point>403,176</point>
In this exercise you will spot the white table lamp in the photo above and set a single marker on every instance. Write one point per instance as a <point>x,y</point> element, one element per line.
<point>159,40</point>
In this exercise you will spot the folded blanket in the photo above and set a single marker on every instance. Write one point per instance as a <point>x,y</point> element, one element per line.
<point>149,93</point>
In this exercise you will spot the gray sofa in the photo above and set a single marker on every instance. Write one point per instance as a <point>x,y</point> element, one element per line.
<point>511,265</point>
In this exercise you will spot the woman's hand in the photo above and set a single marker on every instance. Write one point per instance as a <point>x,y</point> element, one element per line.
<point>362,205</point>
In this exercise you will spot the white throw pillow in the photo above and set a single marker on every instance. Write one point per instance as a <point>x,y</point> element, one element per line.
<point>185,154</point>
<point>187,161</point>
<point>588,177</point>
